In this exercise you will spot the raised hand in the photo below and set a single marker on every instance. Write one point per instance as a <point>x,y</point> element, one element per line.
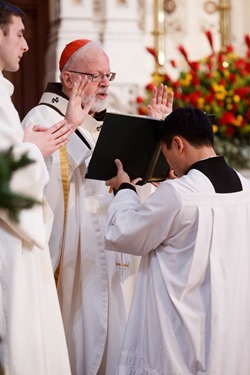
<point>76,112</point>
<point>48,140</point>
<point>161,102</point>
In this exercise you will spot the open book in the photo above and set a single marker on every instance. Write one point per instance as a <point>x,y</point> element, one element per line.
<point>135,141</point>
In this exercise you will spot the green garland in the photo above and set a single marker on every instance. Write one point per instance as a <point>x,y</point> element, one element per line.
<point>12,202</point>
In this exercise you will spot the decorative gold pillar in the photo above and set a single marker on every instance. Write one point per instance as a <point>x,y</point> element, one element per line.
<point>224,8</point>
<point>159,35</point>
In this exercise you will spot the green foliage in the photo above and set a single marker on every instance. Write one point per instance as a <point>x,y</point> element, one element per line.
<point>12,202</point>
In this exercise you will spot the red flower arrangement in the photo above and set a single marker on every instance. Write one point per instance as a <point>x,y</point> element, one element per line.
<point>217,84</point>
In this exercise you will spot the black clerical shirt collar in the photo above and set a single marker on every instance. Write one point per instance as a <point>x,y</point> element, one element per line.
<point>223,178</point>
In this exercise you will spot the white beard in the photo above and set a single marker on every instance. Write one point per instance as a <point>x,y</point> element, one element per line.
<point>99,105</point>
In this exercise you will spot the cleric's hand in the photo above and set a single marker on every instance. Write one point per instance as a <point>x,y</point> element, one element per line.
<point>161,102</point>
<point>76,112</point>
<point>121,177</point>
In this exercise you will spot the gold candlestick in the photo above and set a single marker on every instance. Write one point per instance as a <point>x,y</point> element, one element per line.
<point>224,8</point>
<point>159,33</point>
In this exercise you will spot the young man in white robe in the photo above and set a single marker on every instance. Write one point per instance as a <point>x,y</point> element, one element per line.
<point>31,328</point>
<point>95,287</point>
<point>190,312</point>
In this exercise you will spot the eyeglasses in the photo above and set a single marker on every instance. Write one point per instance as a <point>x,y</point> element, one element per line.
<point>97,77</point>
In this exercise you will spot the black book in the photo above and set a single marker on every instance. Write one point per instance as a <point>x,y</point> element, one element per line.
<point>135,141</point>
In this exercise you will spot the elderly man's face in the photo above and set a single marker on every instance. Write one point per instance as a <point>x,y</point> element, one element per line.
<point>94,62</point>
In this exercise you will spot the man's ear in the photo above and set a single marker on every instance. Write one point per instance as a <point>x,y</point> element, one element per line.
<point>67,79</point>
<point>178,143</point>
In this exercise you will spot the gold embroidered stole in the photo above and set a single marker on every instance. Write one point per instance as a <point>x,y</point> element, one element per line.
<point>64,163</point>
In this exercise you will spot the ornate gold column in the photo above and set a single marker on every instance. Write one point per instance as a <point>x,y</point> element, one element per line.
<point>159,33</point>
<point>224,7</point>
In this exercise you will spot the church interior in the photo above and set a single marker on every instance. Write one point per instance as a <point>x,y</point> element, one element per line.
<point>193,239</point>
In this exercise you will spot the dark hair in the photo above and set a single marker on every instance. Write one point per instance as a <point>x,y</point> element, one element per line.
<point>189,123</point>
<point>6,11</point>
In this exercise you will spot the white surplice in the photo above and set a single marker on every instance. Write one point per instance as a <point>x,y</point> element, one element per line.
<point>190,313</point>
<point>95,286</point>
<point>31,328</point>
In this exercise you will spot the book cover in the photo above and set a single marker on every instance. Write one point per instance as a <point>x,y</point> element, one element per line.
<point>135,141</point>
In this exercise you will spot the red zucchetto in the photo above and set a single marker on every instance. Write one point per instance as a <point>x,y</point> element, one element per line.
<point>70,49</point>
